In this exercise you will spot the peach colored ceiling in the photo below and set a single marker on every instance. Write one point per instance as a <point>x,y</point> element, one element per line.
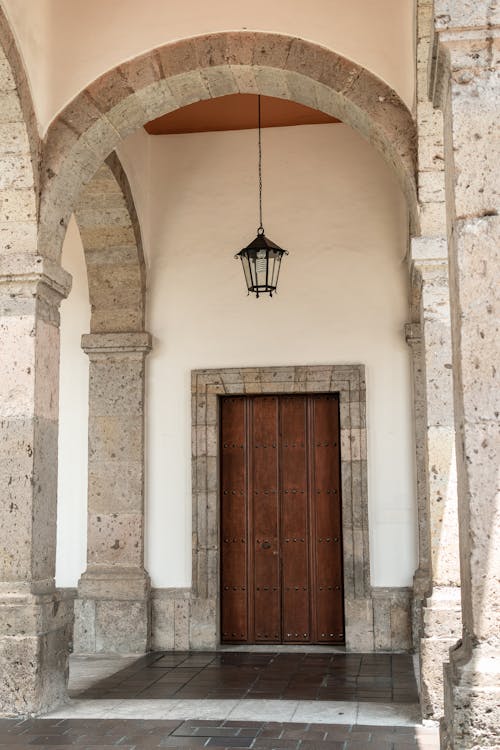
<point>235,112</point>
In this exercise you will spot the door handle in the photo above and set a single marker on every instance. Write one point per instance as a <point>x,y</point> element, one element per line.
<point>266,545</point>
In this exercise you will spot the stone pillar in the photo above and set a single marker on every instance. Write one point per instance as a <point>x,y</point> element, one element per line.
<point>112,612</point>
<point>440,616</point>
<point>35,620</point>
<point>465,85</point>
<point>422,577</point>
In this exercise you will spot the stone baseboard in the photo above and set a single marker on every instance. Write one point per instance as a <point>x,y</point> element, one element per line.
<point>37,659</point>
<point>380,623</point>
<point>172,619</point>
<point>392,619</point>
<point>441,629</point>
<point>181,621</point>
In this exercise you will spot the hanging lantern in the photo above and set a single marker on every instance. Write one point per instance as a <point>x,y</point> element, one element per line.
<point>261,259</point>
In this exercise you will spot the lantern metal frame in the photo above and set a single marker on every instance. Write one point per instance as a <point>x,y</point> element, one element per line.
<point>261,259</point>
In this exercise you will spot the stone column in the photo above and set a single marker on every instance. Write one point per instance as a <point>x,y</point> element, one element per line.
<point>35,620</point>
<point>422,577</point>
<point>440,616</point>
<point>112,612</point>
<point>465,85</point>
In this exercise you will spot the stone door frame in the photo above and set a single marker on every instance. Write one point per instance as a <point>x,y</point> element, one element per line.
<point>207,386</point>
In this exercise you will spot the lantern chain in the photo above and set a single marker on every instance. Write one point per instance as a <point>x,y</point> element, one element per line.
<point>261,228</point>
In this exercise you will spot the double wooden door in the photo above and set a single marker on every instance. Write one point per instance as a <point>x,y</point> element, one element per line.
<point>281,526</point>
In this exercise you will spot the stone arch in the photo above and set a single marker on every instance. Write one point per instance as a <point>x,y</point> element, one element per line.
<point>77,142</point>
<point>112,243</point>
<point>19,152</point>
<point>214,65</point>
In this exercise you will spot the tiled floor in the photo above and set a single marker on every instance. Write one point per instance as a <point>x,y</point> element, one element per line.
<point>85,670</point>
<point>381,678</point>
<point>252,699</point>
<point>68,734</point>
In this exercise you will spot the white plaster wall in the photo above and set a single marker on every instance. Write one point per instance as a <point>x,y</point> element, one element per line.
<point>66,44</point>
<point>330,200</point>
<point>73,409</point>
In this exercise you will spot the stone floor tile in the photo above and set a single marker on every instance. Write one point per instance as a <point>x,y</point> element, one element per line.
<point>213,709</point>
<point>219,732</point>
<point>397,714</point>
<point>337,733</point>
<point>255,725</point>
<point>304,734</point>
<point>365,745</point>
<point>14,742</point>
<point>226,742</point>
<point>326,745</point>
<point>360,734</point>
<point>329,712</point>
<point>184,742</point>
<point>264,710</point>
<point>271,733</point>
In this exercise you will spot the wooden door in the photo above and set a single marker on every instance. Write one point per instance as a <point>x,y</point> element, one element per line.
<point>281,526</point>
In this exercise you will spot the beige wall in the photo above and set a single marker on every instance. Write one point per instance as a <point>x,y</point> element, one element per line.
<point>66,44</point>
<point>330,200</point>
<point>73,408</point>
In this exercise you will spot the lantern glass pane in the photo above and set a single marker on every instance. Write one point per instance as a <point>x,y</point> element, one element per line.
<point>246,270</point>
<point>253,275</point>
<point>272,270</point>
<point>277,266</point>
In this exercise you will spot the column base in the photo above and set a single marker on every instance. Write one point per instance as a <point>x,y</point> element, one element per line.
<point>471,699</point>
<point>182,621</point>
<point>35,637</point>
<point>113,612</point>
<point>441,629</point>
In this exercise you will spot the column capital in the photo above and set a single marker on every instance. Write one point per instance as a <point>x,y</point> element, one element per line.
<point>463,15</point>
<point>413,334</point>
<point>116,343</point>
<point>463,38</point>
<point>27,269</point>
<point>429,260</point>
<point>114,582</point>
<point>429,272</point>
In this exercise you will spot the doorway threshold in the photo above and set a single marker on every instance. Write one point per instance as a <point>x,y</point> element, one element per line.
<point>283,648</point>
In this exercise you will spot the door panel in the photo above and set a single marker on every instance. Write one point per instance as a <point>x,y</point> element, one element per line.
<point>234,527</point>
<point>265,517</point>
<point>281,525</point>
<point>294,520</point>
<point>327,537</point>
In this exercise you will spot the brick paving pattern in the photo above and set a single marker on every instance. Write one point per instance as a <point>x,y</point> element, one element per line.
<point>144,734</point>
<point>382,678</point>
